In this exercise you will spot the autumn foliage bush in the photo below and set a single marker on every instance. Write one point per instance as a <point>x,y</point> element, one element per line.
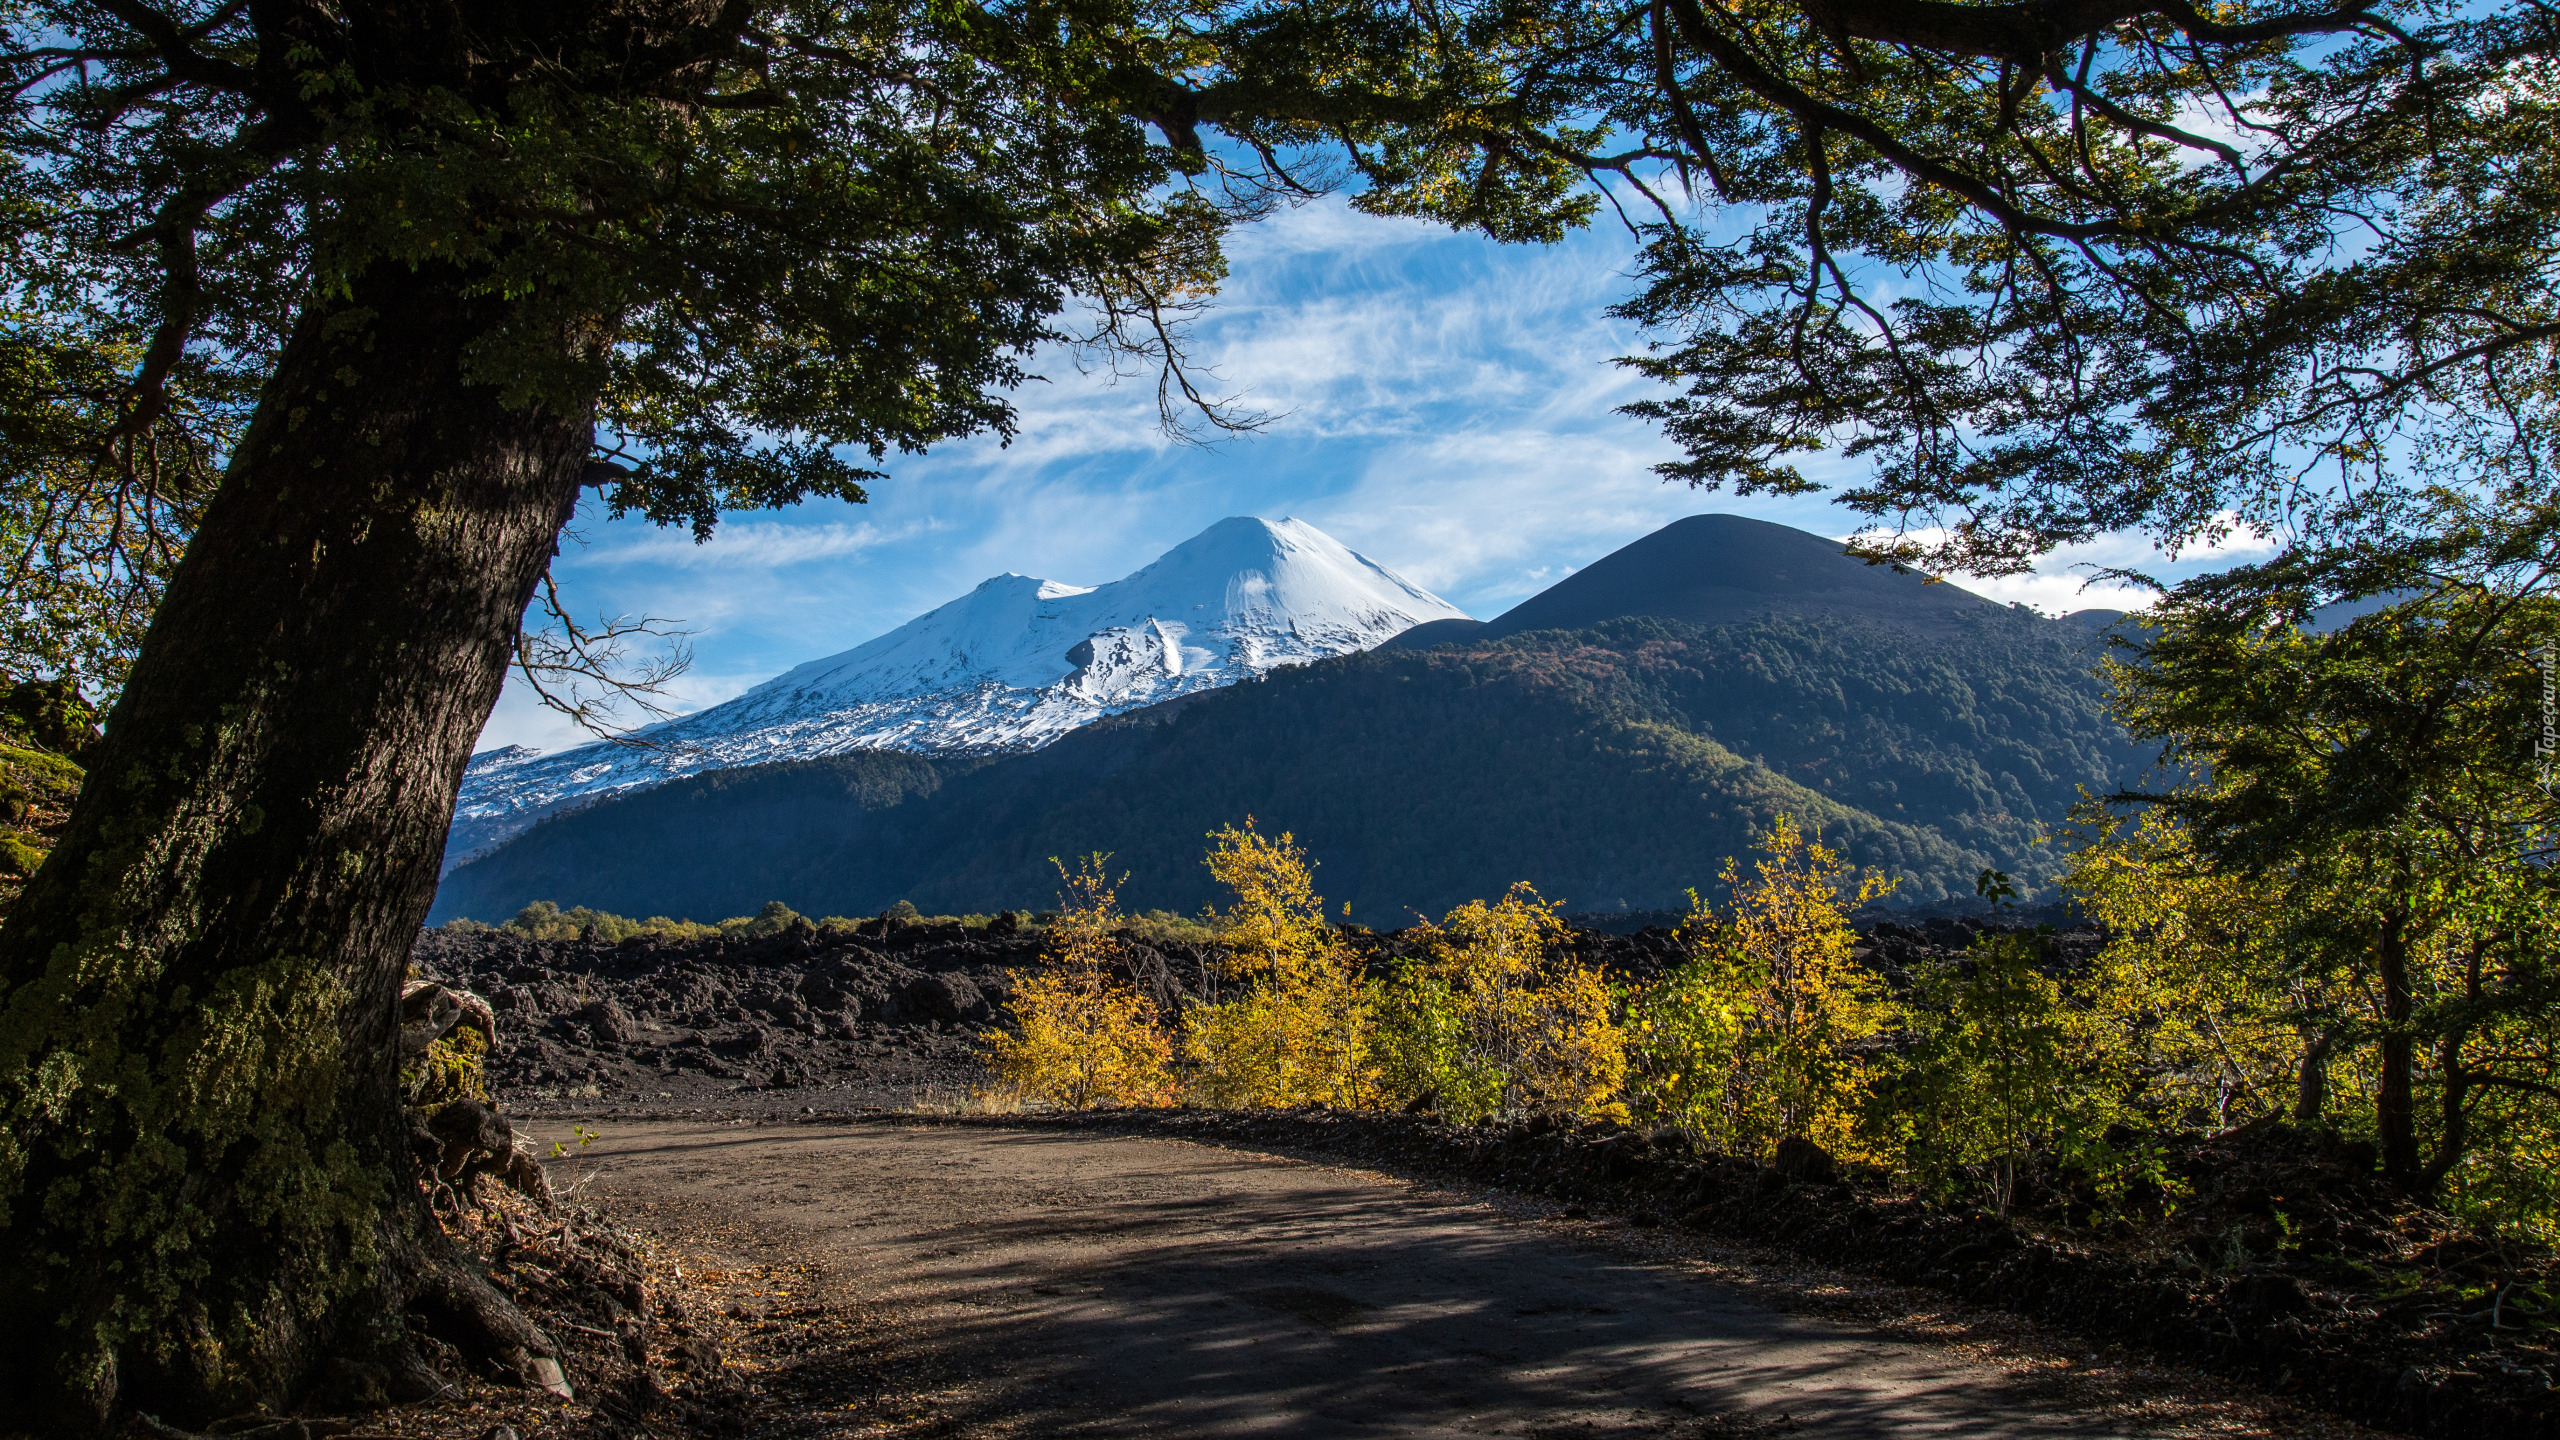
<point>1287,1022</point>
<point>1495,1022</point>
<point>1769,1030</point>
<point>1760,1035</point>
<point>1993,1077</point>
<point>1083,1034</point>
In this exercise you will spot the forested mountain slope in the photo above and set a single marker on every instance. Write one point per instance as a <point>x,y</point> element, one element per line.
<point>1613,766</point>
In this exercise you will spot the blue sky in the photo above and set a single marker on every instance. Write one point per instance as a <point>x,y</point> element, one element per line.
<point>1442,404</point>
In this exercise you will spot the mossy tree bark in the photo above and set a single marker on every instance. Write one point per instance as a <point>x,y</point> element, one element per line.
<point>204,1169</point>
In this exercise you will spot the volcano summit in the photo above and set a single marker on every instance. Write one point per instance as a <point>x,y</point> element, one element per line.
<point>1010,666</point>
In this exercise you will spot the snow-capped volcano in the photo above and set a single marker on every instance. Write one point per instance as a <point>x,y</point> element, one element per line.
<point>1012,665</point>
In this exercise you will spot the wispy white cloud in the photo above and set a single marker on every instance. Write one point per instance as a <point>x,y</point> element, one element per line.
<point>1448,408</point>
<point>2056,593</point>
<point>754,544</point>
<point>1328,229</point>
<point>2085,576</point>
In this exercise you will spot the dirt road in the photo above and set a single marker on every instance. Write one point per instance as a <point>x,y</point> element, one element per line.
<point>1092,1285</point>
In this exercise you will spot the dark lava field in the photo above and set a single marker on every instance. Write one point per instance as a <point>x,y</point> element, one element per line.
<point>887,1015</point>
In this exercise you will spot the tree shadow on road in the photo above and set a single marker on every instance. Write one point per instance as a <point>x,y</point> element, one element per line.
<point>1180,1291</point>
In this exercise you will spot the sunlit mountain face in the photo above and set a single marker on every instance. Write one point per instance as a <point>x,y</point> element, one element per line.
<point>1010,666</point>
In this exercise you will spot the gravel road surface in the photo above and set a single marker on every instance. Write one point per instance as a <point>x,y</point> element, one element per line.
<point>1095,1285</point>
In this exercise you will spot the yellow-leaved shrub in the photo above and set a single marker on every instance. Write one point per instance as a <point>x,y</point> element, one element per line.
<point>1494,1021</point>
<point>1287,1022</point>
<point>1754,1038</point>
<point>2199,975</point>
<point>1083,1035</point>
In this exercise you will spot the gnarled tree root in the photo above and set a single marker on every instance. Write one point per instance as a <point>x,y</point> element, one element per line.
<point>468,1312</point>
<point>450,1309</point>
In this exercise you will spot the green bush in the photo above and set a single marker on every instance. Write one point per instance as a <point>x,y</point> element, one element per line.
<point>545,920</point>
<point>1420,1046</point>
<point>773,919</point>
<point>1163,927</point>
<point>2005,1076</point>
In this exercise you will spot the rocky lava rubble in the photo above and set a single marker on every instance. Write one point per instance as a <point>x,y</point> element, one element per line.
<point>870,1017</point>
<point>886,1014</point>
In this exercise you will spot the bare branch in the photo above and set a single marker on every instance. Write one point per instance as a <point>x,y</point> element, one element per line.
<point>588,673</point>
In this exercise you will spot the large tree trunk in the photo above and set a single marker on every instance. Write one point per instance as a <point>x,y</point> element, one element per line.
<point>2453,1112</point>
<point>2311,1082</point>
<point>2395,1109</point>
<point>204,1172</point>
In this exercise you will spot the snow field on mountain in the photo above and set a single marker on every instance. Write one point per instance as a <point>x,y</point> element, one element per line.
<point>1010,666</point>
